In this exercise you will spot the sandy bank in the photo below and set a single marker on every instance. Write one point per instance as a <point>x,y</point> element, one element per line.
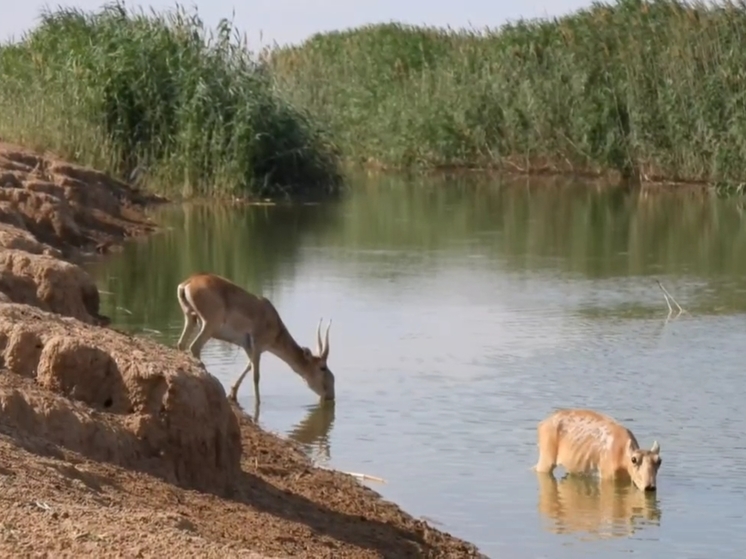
<point>117,446</point>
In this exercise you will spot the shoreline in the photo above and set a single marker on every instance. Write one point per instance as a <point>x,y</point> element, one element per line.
<point>117,445</point>
<point>545,172</point>
<point>542,177</point>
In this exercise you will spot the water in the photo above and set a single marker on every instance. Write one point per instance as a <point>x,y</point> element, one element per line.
<point>464,312</point>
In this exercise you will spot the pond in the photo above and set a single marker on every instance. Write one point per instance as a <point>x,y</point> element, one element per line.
<point>464,311</point>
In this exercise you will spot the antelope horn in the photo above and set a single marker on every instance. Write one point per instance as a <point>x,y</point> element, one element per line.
<point>325,352</point>
<point>319,345</point>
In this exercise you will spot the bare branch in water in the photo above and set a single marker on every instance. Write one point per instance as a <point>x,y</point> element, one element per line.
<point>669,298</point>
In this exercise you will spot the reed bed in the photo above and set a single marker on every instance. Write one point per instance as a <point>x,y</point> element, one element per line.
<point>653,88</point>
<point>160,96</point>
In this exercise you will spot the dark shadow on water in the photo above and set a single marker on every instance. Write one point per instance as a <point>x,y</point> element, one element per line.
<point>380,536</point>
<point>595,509</point>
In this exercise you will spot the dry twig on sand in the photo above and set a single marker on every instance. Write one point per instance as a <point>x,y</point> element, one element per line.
<point>364,476</point>
<point>356,475</point>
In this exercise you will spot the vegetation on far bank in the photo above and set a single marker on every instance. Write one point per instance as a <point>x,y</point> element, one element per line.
<point>122,90</point>
<point>653,86</point>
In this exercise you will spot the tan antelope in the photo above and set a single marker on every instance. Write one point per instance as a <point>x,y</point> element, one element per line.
<point>582,441</point>
<point>231,314</point>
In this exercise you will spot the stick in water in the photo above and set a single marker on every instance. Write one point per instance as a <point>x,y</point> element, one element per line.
<point>669,298</point>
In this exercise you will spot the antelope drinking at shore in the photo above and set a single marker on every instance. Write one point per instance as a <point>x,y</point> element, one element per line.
<point>229,313</point>
<point>582,441</point>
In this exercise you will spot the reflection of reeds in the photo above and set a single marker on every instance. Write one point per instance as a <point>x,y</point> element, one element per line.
<point>599,509</point>
<point>251,245</point>
<point>604,233</point>
<point>596,233</point>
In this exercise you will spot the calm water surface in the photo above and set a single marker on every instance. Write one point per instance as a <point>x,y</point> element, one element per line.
<point>466,311</point>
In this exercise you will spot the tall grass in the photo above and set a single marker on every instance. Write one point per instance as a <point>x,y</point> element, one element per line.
<point>656,87</point>
<point>124,90</point>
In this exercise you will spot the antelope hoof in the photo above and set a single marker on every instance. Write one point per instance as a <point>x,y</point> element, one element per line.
<point>232,396</point>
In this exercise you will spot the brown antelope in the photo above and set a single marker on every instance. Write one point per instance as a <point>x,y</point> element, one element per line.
<point>584,440</point>
<point>229,313</point>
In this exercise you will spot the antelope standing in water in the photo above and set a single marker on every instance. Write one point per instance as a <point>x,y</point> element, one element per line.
<point>582,441</point>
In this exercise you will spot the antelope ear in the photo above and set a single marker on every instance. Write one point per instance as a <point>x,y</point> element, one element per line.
<point>629,447</point>
<point>325,351</point>
<point>656,448</point>
<point>319,344</point>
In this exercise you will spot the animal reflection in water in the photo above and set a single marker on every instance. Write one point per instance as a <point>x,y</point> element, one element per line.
<point>312,433</point>
<point>595,508</point>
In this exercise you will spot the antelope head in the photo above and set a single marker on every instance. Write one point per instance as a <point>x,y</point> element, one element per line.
<point>643,465</point>
<point>317,374</point>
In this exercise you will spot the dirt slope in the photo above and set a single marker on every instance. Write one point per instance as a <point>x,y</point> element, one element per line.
<point>116,446</point>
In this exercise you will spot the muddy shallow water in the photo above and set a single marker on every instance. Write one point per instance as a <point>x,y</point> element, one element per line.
<point>463,312</point>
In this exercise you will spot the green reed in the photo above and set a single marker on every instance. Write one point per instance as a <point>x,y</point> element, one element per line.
<point>655,87</point>
<point>160,93</point>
